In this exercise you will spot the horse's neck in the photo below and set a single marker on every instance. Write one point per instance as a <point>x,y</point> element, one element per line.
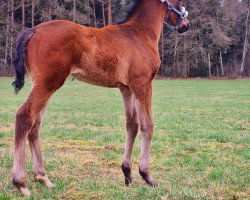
<point>150,16</point>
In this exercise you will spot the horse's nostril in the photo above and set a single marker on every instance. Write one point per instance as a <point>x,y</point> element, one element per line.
<point>184,28</point>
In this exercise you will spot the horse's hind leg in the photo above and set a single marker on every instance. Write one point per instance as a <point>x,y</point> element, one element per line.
<point>34,141</point>
<point>132,129</point>
<point>25,119</point>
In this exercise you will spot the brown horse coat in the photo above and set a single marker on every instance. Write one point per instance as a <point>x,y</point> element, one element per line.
<point>123,55</point>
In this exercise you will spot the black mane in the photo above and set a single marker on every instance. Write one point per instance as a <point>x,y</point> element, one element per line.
<point>131,11</point>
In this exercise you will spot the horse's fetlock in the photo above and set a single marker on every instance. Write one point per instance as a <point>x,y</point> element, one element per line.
<point>144,172</point>
<point>126,169</point>
<point>126,166</point>
<point>19,183</point>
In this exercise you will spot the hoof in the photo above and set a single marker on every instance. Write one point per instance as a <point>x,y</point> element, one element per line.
<point>152,183</point>
<point>21,186</point>
<point>128,181</point>
<point>148,178</point>
<point>127,174</point>
<point>44,180</point>
<point>25,191</point>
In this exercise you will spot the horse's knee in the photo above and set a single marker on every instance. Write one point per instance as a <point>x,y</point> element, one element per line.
<point>132,123</point>
<point>132,126</point>
<point>147,128</point>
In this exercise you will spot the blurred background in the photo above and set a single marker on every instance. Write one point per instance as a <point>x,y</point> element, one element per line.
<point>217,44</point>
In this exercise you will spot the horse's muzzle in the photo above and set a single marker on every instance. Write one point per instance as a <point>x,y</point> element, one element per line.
<point>183,28</point>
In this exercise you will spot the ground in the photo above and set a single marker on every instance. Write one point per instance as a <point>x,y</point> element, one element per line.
<point>200,147</point>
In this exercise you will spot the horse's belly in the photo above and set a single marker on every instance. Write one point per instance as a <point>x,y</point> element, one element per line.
<point>100,79</point>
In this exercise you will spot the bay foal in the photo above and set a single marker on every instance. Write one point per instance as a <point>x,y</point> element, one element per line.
<point>124,56</point>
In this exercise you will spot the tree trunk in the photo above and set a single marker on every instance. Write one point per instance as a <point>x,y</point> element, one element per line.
<point>12,31</point>
<point>89,20</point>
<point>6,40</point>
<point>221,65</point>
<point>94,13</point>
<point>162,48</point>
<point>184,70</point>
<point>6,48</point>
<point>109,12</point>
<point>242,68</point>
<point>33,14</point>
<point>74,10</point>
<point>217,71</point>
<point>103,13</point>
<point>175,57</point>
<point>23,14</point>
<point>209,65</point>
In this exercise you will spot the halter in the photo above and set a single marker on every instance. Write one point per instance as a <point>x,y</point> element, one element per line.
<point>182,15</point>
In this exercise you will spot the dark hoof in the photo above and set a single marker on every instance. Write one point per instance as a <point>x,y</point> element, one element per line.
<point>148,178</point>
<point>127,173</point>
<point>128,181</point>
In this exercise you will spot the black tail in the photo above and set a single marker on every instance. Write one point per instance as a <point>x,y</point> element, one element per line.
<point>20,58</point>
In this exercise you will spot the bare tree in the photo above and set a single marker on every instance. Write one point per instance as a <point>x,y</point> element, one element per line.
<point>23,13</point>
<point>109,12</point>
<point>74,10</point>
<point>184,70</point>
<point>162,47</point>
<point>221,65</point>
<point>33,13</point>
<point>242,68</point>
<point>209,64</point>
<point>94,13</point>
<point>175,54</point>
<point>7,38</point>
<point>12,31</point>
<point>103,13</point>
<point>89,19</point>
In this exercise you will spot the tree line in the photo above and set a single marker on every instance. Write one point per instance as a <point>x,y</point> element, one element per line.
<point>217,44</point>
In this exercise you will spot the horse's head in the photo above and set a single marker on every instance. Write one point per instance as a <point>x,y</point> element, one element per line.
<point>176,15</point>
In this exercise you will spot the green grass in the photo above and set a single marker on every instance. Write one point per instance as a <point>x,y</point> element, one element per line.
<point>200,148</point>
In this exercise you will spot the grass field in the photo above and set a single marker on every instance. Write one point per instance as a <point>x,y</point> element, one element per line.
<point>200,148</point>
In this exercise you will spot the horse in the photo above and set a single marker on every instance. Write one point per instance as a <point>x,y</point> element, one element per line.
<point>123,55</point>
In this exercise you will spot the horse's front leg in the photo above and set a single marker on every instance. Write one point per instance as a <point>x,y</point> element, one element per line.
<point>132,124</point>
<point>143,95</point>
